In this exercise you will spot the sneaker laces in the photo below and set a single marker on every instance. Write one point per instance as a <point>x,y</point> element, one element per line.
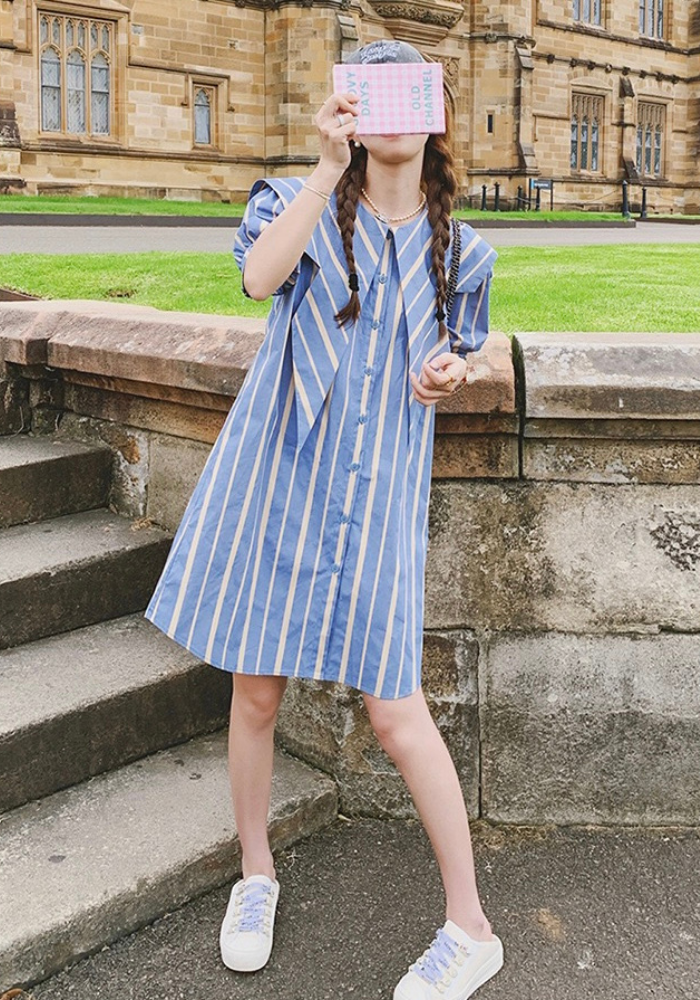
<point>436,960</point>
<point>252,904</point>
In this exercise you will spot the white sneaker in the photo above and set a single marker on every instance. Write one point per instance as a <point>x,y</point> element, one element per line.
<point>452,968</point>
<point>246,933</point>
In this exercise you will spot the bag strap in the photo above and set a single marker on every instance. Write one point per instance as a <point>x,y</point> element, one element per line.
<point>454,265</point>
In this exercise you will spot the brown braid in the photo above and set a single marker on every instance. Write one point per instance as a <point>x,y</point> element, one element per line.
<point>440,180</point>
<point>348,195</point>
<point>440,184</point>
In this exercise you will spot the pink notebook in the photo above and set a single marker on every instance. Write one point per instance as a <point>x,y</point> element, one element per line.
<point>395,98</point>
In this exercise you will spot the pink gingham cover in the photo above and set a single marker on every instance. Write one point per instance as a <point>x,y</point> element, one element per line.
<point>395,98</point>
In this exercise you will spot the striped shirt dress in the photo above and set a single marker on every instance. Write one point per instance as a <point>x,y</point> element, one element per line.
<point>301,552</point>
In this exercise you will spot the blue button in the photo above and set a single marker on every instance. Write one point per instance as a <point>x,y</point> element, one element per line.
<point>345,519</point>
<point>355,467</point>
<point>375,324</point>
<point>363,418</point>
<point>335,568</point>
<point>368,370</point>
<point>382,279</point>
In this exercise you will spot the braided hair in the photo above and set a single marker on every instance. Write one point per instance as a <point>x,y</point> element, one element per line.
<point>439,181</point>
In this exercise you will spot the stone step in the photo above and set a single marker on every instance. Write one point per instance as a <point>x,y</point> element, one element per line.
<point>73,571</point>
<point>86,866</point>
<point>88,701</point>
<point>42,478</point>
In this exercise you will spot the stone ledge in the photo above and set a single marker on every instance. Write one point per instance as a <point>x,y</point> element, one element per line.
<point>611,408</point>
<point>189,351</point>
<point>619,376</point>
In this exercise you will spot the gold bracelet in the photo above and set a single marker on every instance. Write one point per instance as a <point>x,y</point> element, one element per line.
<point>321,194</point>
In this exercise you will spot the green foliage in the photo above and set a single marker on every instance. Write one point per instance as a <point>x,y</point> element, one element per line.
<point>613,288</point>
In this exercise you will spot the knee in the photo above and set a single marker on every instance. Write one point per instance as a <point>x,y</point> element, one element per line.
<point>394,722</point>
<point>257,698</point>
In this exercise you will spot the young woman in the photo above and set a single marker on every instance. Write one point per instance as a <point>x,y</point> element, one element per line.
<point>302,549</point>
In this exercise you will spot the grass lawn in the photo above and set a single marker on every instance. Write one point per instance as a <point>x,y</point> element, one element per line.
<point>541,216</point>
<point>81,205</point>
<point>616,288</point>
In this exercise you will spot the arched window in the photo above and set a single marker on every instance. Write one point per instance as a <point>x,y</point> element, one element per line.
<point>50,90</point>
<point>651,119</point>
<point>75,92</point>
<point>76,85</point>
<point>586,116</point>
<point>203,100</point>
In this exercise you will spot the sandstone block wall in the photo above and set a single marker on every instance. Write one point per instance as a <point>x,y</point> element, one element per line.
<point>511,70</point>
<point>562,631</point>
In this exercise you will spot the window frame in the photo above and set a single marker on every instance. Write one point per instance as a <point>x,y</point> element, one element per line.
<point>89,53</point>
<point>212,88</point>
<point>591,125</point>
<point>584,13</point>
<point>658,12</point>
<point>650,127</point>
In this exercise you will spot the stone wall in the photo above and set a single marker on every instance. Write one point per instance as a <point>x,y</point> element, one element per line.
<point>562,631</point>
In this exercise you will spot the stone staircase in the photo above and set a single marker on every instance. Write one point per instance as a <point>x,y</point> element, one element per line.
<point>114,795</point>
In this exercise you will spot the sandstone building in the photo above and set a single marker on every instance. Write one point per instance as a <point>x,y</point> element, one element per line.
<point>197,98</point>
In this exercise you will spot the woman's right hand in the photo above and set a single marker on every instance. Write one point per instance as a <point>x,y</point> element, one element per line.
<point>336,137</point>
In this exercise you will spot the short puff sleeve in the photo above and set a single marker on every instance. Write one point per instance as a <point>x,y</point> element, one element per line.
<point>468,321</point>
<point>265,202</point>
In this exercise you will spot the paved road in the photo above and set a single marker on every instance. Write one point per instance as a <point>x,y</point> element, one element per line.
<point>584,913</point>
<point>85,239</point>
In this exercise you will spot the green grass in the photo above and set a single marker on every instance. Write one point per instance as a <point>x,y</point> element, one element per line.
<point>616,288</point>
<point>77,205</point>
<point>542,216</point>
<point>83,205</point>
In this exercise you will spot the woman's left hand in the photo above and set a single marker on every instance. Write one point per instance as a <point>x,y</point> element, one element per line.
<point>439,377</point>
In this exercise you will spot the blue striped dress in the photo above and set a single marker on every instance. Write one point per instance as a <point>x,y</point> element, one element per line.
<point>302,550</point>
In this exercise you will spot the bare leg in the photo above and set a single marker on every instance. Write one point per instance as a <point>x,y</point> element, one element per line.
<point>254,706</point>
<point>407,732</point>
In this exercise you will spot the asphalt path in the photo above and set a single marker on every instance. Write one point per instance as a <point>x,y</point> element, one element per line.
<point>584,913</point>
<point>141,239</point>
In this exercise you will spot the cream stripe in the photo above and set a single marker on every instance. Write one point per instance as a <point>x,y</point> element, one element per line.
<point>213,484</point>
<point>261,524</point>
<point>309,356</point>
<point>421,291</point>
<point>382,425</point>
<point>321,327</point>
<point>415,235</point>
<point>338,263</point>
<point>395,474</point>
<point>352,481</point>
<point>319,549</point>
<point>250,491</point>
<point>301,395</point>
<point>366,241</point>
<point>301,540</point>
<point>389,633</point>
<point>478,312</point>
<point>427,318</point>
<point>426,437</point>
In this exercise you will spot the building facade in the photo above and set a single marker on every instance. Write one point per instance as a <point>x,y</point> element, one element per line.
<point>197,98</point>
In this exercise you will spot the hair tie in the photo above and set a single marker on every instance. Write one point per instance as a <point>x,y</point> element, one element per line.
<point>440,315</point>
<point>354,283</point>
